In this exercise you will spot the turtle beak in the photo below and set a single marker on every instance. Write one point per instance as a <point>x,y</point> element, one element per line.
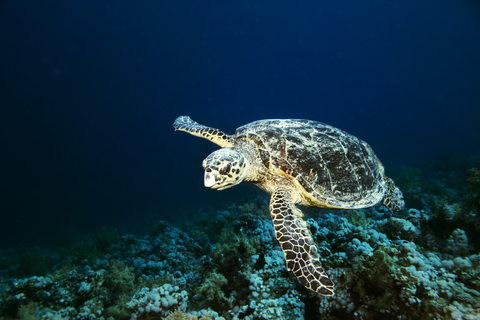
<point>211,179</point>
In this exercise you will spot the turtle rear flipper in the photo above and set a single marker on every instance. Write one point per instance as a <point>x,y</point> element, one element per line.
<point>297,244</point>
<point>393,198</point>
<point>184,123</point>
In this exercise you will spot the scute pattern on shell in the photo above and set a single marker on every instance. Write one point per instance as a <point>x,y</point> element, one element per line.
<point>331,165</point>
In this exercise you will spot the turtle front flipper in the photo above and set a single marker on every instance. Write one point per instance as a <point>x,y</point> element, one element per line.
<point>297,244</point>
<point>184,123</point>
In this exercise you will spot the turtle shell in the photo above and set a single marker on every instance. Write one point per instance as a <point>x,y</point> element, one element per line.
<point>330,167</point>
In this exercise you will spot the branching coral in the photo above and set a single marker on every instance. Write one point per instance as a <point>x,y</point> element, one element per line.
<point>445,211</point>
<point>247,207</point>
<point>232,247</point>
<point>30,311</point>
<point>120,278</point>
<point>357,218</point>
<point>211,289</point>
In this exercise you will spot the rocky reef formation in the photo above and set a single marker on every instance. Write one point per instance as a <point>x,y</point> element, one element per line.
<point>422,262</point>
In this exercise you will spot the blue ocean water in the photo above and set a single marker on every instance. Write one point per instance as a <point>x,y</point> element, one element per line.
<point>89,91</point>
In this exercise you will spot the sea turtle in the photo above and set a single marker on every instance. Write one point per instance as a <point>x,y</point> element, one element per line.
<point>299,162</point>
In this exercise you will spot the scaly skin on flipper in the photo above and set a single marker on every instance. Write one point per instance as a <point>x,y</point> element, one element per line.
<point>393,198</point>
<point>184,123</point>
<point>297,244</point>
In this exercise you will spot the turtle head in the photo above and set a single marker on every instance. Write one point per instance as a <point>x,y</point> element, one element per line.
<point>224,168</point>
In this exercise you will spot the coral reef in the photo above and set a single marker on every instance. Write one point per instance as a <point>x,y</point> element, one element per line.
<point>211,290</point>
<point>157,302</point>
<point>421,262</point>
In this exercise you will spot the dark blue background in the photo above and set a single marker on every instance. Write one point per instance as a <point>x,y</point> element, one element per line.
<point>89,91</point>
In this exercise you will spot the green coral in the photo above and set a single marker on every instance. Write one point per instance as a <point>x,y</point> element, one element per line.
<point>391,277</point>
<point>247,207</point>
<point>255,207</point>
<point>357,218</point>
<point>180,315</point>
<point>380,278</point>
<point>211,289</point>
<point>232,247</point>
<point>120,277</point>
<point>375,272</point>
<point>120,310</point>
<point>29,311</point>
<point>233,251</point>
<point>445,211</point>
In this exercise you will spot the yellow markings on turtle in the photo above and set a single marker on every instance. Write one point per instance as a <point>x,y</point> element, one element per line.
<point>184,123</point>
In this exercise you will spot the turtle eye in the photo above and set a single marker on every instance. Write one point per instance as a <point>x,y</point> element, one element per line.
<point>225,169</point>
